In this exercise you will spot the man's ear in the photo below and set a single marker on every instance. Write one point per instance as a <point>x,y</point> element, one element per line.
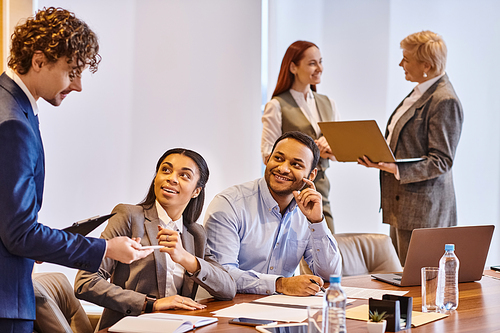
<point>267,159</point>
<point>38,61</point>
<point>313,174</point>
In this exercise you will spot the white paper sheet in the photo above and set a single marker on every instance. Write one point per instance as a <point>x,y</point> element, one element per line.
<point>363,293</point>
<point>291,300</point>
<point>259,311</point>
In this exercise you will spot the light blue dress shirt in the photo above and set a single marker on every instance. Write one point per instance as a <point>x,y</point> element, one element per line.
<point>256,244</point>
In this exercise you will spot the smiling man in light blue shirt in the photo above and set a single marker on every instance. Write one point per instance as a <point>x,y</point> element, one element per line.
<point>259,231</point>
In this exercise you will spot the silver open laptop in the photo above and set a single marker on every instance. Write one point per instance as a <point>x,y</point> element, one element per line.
<point>427,247</point>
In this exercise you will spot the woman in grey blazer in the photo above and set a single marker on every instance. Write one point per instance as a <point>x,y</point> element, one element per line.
<point>167,217</point>
<point>427,125</point>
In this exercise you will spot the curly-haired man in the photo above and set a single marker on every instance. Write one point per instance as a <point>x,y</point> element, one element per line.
<point>49,52</point>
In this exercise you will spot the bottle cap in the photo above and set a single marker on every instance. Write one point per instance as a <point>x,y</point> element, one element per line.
<point>335,278</point>
<point>449,247</point>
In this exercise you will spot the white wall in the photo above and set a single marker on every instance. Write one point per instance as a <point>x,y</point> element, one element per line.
<point>173,74</point>
<point>353,40</point>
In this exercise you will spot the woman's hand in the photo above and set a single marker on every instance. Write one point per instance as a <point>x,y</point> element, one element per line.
<point>384,166</point>
<point>324,148</point>
<point>177,302</point>
<point>173,246</point>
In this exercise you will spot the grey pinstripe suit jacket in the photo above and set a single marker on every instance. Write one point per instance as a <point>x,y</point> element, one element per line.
<point>424,197</point>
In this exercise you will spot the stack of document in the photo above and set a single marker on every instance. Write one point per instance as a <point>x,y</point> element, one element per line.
<point>291,301</point>
<point>261,311</point>
<point>292,308</point>
<point>276,308</point>
<point>363,293</point>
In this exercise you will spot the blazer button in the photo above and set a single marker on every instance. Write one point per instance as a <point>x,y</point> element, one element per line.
<point>397,197</point>
<point>129,311</point>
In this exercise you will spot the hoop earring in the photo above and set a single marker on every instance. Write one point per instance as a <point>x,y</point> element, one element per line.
<point>425,74</point>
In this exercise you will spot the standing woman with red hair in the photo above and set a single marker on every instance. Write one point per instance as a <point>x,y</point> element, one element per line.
<point>295,106</point>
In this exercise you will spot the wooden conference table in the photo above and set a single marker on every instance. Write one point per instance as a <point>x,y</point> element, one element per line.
<point>478,309</point>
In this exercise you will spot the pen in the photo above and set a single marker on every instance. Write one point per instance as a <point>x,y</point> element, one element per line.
<point>316,283</point>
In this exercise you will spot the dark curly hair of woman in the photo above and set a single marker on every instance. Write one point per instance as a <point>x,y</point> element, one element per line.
<point>57,33</point>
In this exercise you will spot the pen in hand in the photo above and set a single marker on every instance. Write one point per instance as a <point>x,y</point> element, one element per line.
<point>316,283</point>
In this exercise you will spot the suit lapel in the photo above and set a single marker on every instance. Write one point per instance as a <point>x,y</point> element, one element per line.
<point>25,105</point>
<point>411,111</point>
<point>194,240</point>
<point>151,224</point>
<point>189,246</point>
<point>394,112</point>
<point>400,124</point>
<point>187,240</point>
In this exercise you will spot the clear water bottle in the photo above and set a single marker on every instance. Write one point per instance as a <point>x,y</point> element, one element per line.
<point>447,290</point>
<point>334,307</point>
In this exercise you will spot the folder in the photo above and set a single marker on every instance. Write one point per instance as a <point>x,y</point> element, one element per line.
<point>84,227</point>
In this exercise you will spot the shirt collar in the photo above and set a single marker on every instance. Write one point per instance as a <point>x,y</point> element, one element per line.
<point>422,87</point>
<point>269,200</point>
<point>13,75</point>
<point>165,219</point>
<point>297,94</point>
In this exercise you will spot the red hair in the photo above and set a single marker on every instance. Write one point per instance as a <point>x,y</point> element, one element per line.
<point>294,53</point>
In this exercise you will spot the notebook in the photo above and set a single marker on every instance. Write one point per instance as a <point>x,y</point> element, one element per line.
<point>160,323</point>
<point>350,140</point>
<point>427,247</point>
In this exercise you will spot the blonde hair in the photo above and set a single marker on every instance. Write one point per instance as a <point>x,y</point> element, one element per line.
<point>427,46</point>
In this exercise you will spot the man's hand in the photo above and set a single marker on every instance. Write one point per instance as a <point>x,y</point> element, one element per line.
<point>384,166</point>
<point>177,302</point>
<point>324,148</point>
<point>310,202</point>
<point>299,285</point>
<point>173,246</point>
<point>125,250</point>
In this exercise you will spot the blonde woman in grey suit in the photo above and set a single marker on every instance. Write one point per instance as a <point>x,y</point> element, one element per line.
<point>427,124</point>
<point>167,217</point>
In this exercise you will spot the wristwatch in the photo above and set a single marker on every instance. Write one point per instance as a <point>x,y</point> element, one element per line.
<point>150,301</point>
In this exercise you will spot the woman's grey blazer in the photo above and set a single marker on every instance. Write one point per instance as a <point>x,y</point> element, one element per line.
<point>424,197</point>
<point>129,284</point>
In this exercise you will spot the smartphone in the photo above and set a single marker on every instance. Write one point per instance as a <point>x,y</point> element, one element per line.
<point>495,268</point>
<point>251,321</point>
<point>283,328</point>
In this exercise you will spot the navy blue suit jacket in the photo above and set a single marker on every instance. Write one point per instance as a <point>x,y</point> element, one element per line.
<point>22,238</point>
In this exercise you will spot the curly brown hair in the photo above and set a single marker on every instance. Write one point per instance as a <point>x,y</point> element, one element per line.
<point>57,33</point>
